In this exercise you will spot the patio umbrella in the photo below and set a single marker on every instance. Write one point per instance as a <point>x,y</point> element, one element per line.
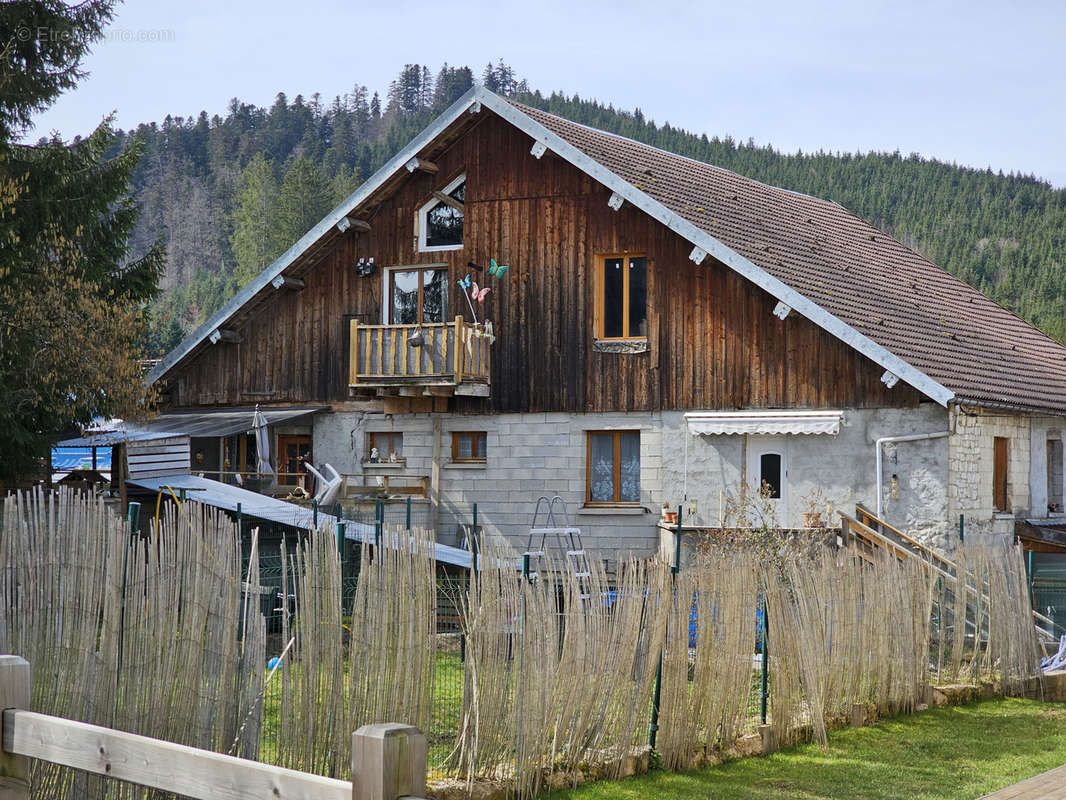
<point>262,442</point>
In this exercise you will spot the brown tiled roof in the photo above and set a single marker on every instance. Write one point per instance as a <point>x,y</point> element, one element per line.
<point>899,299</point>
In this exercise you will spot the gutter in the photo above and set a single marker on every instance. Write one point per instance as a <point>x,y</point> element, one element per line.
<point>879,444</point>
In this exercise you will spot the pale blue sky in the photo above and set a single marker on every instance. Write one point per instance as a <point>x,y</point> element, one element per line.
<point>979,83</point>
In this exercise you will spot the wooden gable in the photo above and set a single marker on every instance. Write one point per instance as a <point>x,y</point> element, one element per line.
<point>713,341</point>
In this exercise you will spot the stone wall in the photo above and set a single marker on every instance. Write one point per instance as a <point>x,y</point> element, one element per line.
<point>529,455</point>
<point>970,491</point>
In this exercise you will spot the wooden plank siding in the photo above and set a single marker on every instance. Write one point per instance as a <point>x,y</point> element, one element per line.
<point>713,341</point>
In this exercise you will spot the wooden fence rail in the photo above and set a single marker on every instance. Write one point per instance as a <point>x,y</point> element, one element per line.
<point>388,760</point>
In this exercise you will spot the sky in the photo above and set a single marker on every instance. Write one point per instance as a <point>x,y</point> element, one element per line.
<point>978,83</point>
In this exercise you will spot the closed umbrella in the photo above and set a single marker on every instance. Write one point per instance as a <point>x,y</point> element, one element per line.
<point>262,442</point>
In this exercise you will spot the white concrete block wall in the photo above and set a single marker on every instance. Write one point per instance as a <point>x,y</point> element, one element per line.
<point>529,455</point>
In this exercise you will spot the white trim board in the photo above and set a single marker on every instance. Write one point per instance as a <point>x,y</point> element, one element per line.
<point>473,100</point>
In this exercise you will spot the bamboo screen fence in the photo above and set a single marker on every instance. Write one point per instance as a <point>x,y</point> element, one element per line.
<point>160,635</point>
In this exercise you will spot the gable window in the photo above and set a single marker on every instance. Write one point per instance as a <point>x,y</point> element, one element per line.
<point>440,221</point>
<point>612,467</point>
<point>388,445</point>
<point>417,295</point>
<point>999,473</point>
<point>622,297</point>
<point>468,447</point>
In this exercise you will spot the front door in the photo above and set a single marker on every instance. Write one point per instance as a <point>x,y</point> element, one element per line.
<point>767,478</point>
<point>293,452</point>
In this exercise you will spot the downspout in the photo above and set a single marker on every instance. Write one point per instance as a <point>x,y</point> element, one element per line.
<point>880,443</point>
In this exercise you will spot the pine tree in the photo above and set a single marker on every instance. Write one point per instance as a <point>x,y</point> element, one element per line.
<point>70,295</point>
<point>304,198</point>
<point>254,243</point>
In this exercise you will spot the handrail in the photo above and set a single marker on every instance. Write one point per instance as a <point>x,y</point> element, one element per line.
<point>879,539</point>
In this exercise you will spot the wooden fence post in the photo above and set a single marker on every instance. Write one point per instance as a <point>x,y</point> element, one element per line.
<point>15,685</point>
<point>388,761</point>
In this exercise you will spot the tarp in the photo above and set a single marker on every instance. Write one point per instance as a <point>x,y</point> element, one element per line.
<point>718,423</point>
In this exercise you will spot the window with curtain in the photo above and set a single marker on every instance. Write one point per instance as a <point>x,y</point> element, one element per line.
<point>613,467</point>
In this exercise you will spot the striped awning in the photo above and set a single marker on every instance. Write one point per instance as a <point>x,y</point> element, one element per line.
<point>724,423</point>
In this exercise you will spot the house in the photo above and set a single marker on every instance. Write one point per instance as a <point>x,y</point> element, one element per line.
<point>665,331</point>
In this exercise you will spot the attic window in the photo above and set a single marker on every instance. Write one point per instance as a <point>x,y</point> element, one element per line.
<point>440,221</point>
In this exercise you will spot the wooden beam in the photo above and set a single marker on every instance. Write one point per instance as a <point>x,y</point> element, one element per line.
<point>169,767</point>
<point>360,225</point>
<point>410,391</point>
<point>439,391</point>
<point>388,761</point>
<point>889,379</point>
<point>782,310</point>
<point>16,681</point>
<point>227,336</point>
<point>448,200</point>
<point>285,282</point>
<point>538,149</point>
<point>421,164</point>
<point>615,201</point>
<point>472,390</point>
<point>697,255</point>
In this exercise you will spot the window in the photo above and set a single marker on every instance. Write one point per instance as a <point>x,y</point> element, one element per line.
<point>622,297</point>
<point>613,467</point>
<point>389,447</point>
<point>440,221</point>
<point>417,295</point>
<point>293,452</point>
<point>1054,474</point>
<point>770,475</point>
<point>468,446</point>
<point>999,473</point>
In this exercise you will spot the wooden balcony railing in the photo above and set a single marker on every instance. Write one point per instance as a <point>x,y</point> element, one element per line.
<point>452,353</point>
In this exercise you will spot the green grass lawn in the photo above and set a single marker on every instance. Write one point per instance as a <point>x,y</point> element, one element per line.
<point>959,752</point>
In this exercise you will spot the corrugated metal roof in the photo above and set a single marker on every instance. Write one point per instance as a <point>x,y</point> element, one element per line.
<point>223,422</point>
<point>109,438</point>
<point>226,497</point>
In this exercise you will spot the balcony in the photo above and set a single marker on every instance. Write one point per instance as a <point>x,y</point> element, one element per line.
<point>454,358</point>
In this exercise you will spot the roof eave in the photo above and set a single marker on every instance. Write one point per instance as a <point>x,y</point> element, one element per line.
<point>703,240</point>
<point>305,242</point>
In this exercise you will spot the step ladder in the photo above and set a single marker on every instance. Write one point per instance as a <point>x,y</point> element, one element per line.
<point>564,541</point>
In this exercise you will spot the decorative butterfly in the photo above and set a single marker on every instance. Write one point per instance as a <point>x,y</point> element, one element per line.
<point>496,270</point>
<point>479,294</point>
<point>464,283</point>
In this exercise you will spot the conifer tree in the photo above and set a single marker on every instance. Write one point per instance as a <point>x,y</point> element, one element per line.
<point>70,295</point>
<point>254,242</point>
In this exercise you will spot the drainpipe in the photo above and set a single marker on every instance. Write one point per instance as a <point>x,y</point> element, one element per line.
<point>913,437</point>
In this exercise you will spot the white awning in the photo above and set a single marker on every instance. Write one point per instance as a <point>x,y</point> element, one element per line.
<point>721,423</point>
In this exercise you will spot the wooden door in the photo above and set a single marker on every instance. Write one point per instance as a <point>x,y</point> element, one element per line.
<point>293,452</point>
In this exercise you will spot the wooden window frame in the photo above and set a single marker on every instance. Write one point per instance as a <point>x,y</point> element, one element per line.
<point>1000,473</point>
<point>429,205</point>
<point>383,458</point>
<point>420,269</point>
<point>475,456</point>
<point>598,304</point>
<point>616,458</point>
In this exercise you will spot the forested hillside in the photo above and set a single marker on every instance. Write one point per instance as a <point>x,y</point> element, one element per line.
<point>231,193</point>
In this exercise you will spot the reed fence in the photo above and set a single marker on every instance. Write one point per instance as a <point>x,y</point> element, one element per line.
<point>166,634</point>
